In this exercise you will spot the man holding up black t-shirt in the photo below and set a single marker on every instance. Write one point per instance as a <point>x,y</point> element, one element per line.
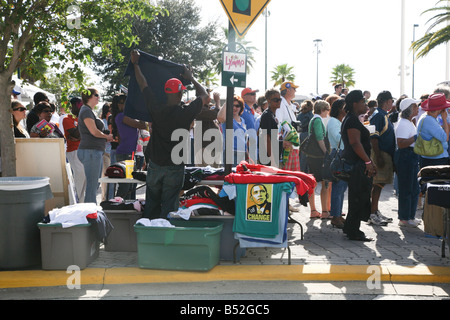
<point>165,178</point>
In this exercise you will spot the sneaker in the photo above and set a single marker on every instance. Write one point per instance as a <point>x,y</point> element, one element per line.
<point>382,217</point>
<point>408,223</point>
<point>376,220</point>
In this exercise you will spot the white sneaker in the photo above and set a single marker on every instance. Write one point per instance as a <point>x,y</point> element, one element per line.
<point>408,223</point>
<point>375,219</point>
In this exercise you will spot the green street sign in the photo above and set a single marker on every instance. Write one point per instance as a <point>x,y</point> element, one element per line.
<point>233,79</point>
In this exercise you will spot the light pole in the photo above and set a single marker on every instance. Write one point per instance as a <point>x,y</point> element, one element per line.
<point>414,58</point>
<point>266,15</point>
<point>317,42</point>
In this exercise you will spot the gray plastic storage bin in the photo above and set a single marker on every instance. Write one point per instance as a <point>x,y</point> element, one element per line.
<point>122,237</point>
<point>22,206</point>
<point>63,247</point>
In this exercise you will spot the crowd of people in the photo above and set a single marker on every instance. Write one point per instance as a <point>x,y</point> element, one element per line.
<point>376,136</point>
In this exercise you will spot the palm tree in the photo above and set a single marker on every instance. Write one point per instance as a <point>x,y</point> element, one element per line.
<point>432,39</point>
<point>343,74</point>
<point>282,73</point>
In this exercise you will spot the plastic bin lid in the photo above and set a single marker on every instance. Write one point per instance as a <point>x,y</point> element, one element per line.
<point>22,183</point>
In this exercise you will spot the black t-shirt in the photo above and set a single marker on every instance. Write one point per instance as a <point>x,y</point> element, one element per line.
<point>165,120</point>
<point>268,121</point>
<point>351,121</point>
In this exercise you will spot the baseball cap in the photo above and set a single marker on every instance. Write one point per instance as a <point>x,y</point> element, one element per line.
<point>174,85</point>
<point>405,103</point>
<point>287,84</point>
<point>247,91</point>
<point>354,96</point>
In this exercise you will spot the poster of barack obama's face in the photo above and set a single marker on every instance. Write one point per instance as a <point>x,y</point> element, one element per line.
<point>259,202</point>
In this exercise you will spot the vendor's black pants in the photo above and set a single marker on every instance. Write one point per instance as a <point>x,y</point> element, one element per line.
<point>359,200</point>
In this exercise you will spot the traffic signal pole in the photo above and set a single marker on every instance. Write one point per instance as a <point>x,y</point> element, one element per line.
<point>230,95</point>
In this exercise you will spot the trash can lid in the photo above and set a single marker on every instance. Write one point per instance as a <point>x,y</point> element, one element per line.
<point>22,183</point>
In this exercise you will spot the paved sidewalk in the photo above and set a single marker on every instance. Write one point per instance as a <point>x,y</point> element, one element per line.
<point>324,244</point>
<point>325,254</point>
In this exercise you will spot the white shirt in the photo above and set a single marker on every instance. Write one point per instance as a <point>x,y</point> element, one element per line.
<point>285,112</point>
<point>405,129</point>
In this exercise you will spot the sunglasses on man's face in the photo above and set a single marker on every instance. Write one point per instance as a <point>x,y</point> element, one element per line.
<point>20,109</point>
<point>276,100</point>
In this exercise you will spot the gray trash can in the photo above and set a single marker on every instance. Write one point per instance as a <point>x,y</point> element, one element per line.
<point>22,206</point>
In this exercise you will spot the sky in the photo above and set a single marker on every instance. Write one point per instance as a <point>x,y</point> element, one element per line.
<point>363,34</point>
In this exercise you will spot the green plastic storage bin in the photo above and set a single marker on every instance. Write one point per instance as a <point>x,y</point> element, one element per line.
<point>63,247</point>
<point>228,244</point>
<point>190,245</point>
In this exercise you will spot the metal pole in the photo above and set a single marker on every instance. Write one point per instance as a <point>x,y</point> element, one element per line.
<point>402,50</point>
<point>317,41</point>
<point>266,14</point>
<point>230,94</point>
<point>447,70</point>
<point>414,58</point>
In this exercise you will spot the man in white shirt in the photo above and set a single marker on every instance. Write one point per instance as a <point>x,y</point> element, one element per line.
<point>287,108</point>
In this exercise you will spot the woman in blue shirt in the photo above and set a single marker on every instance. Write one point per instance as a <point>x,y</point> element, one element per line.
<point>240,149</point>
<point>429,128</point>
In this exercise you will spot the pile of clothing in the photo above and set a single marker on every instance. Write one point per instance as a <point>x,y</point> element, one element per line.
<point>79,214</point>
<point>203,201</point>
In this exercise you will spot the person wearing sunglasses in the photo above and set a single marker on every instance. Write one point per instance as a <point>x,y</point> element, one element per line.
<point>19,113</point>
<point>270,122</point>
<point>240,141</point>
<point>92,142</point>
<point>41,129</point>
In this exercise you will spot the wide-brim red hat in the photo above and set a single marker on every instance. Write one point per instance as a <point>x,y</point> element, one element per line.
<point>436,101</point>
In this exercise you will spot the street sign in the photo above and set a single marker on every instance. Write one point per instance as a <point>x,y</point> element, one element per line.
<point>243,13</point>
<point>234,72</point>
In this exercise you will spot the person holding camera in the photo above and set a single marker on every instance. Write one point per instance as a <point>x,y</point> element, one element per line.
<point>286,112</point>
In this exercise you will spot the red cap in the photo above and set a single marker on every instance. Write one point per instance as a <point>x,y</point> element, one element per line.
<point>173,85</point>
<point>247,91</point>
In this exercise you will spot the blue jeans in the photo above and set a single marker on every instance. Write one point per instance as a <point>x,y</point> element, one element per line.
<point>407,166</point>
<point>164,185</point>
<point>92,161</point>
<point>337,197</point>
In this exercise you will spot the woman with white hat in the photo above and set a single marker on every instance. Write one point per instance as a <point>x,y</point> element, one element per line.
<point>407,163</point>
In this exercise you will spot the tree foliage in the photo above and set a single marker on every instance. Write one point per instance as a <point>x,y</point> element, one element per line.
<point>58,31</point>
<point>343,74</point>
<point>282,73</point>
<point>432,39</point>
<point>177,36</point>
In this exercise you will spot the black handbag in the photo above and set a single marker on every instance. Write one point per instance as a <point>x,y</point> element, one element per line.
<point>326,172</point>
<point>310,146</point>
<point>340,168</point>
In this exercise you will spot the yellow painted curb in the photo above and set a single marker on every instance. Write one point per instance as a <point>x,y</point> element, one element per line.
<point>246,273</point>
<point>419,274</point>
<point>108,276</point>
<point>43,278</point>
